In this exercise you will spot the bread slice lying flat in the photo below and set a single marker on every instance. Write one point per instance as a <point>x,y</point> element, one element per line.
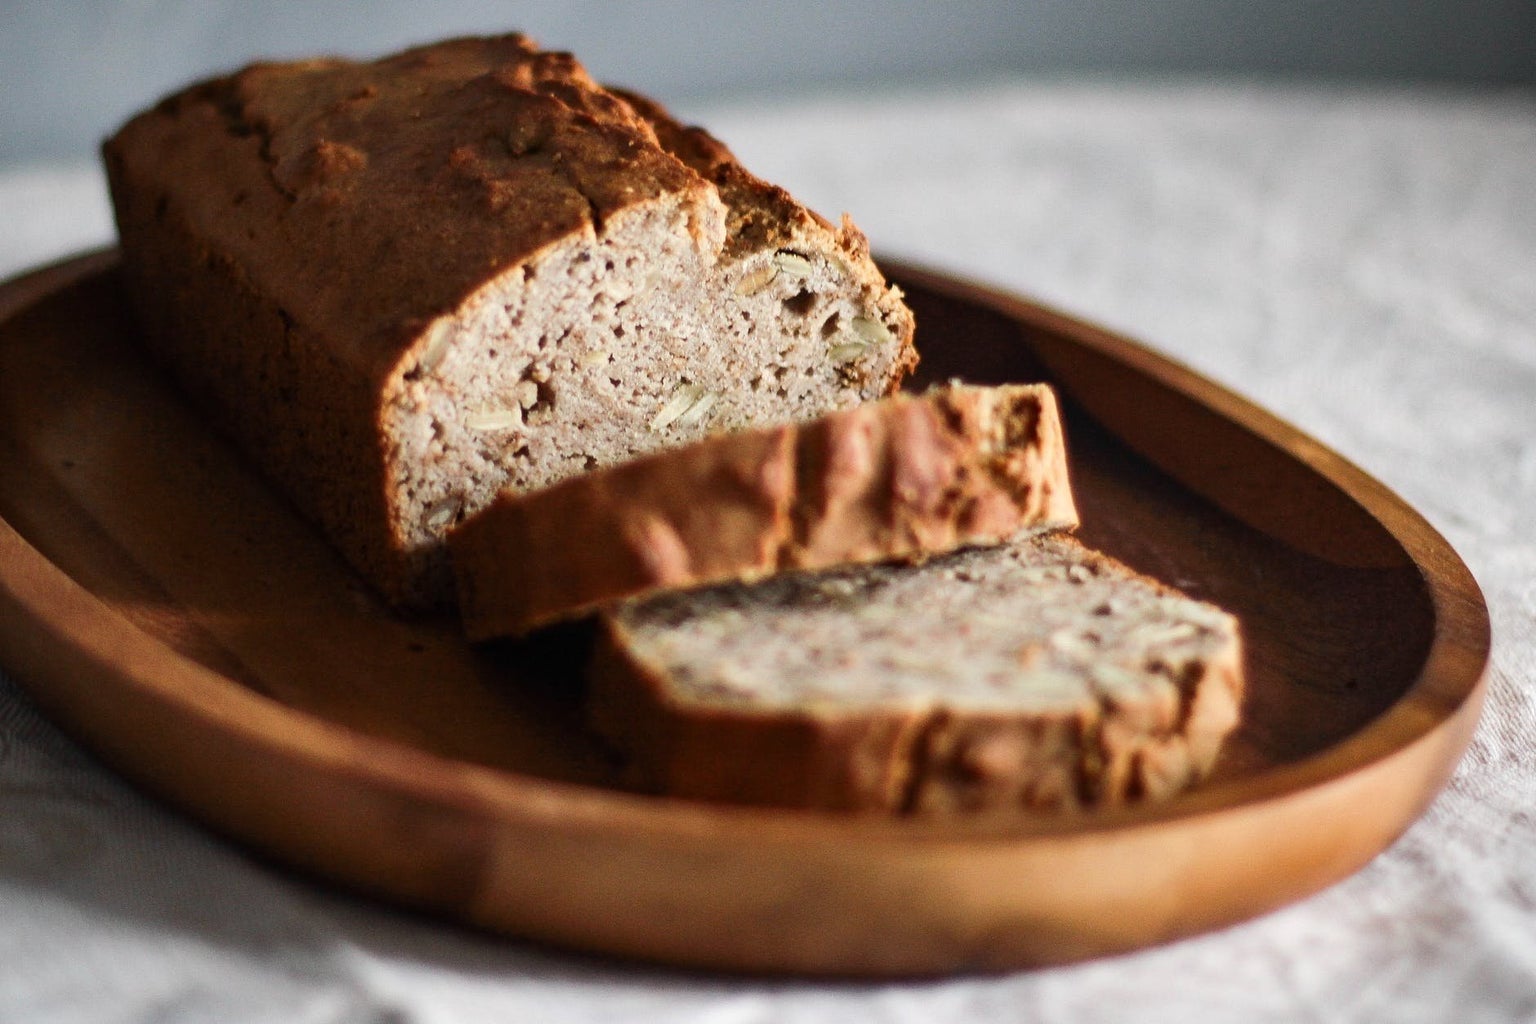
<point>1036,674</point>
<point>406,284</point>
<point>906,476</point>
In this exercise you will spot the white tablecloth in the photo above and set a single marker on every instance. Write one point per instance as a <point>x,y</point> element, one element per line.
<point>1361,262</point>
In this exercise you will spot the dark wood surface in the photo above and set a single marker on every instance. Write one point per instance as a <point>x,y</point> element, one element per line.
<point>171,611</point>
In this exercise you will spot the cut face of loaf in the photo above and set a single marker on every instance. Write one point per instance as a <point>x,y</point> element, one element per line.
<point>1036,675</point>
<point>405,285</point>
<point>898,478</point>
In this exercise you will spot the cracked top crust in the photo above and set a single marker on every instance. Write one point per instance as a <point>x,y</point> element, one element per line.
<point>405,284</point>
<point>464,158</point>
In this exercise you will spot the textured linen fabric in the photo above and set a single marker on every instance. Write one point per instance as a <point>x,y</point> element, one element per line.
<point>1362,263</point>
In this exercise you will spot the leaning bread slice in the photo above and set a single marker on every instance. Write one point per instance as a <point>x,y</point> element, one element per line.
<point>907,476</point>
<point>1036,674</point>
<point>406,284</point>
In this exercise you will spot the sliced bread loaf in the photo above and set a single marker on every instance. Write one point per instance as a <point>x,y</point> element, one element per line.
<point>407,284</point>
<point>1036,674</point>
<point>902,477</point>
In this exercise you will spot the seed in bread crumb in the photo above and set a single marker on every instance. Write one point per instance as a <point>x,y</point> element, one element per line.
<point>847,352</point>
<point>494,419</point>
<point>435,349</point>
<point>792,262</point>
<point>872,331</point>
<point>696,412</point>
<point>756,279</point>
<point>442,513</point>
<point>681,401</point>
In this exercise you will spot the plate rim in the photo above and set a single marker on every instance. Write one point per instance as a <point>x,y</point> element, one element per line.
<point>1460,600</point>
<point>1440,705</point>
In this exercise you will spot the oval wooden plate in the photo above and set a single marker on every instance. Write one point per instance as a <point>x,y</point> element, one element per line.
<point>162,604</point>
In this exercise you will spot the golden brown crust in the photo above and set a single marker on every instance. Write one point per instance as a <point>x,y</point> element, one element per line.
<point>306,418</point>
<point>367,198</point>
<point>294,233</point>
<point>289,230</point>
<point>905,477</point>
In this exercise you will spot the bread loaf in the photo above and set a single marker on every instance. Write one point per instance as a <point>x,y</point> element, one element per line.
<point>405,285</point>
<point>1036,674</point>
<point>903,477</point>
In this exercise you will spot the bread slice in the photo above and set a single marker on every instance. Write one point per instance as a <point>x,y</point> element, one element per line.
<point>407,284</point>
<point>1036,674</point>
<point>902,477</point>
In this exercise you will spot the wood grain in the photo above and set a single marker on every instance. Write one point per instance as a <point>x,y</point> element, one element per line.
<point>165,606</point>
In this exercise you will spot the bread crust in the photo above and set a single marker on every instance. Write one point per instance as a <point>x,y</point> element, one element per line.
<point>906,477</point>
<point>293,232</point>
<point>367,199</point>
<point>918,758</point>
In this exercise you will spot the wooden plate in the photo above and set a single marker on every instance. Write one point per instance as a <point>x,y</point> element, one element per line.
<point>162,604</point>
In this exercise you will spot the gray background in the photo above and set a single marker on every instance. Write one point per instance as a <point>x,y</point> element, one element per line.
<point>70,71</point>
